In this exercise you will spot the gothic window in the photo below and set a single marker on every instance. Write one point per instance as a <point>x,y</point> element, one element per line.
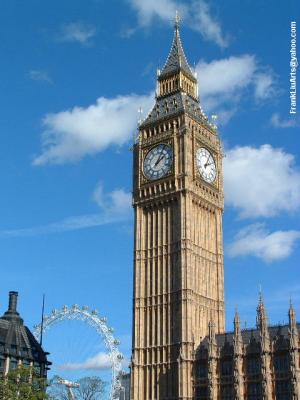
<point>282,390</point>
<point>26,362</point>
<point>2,362</point>
<point>281,363</point>
<point>226,392</point>
<point>13,362</point>
<point>226,367</point>
<point>201,393</point>
<point>201,371</point>
<point>254,391</point>
<point>253,366</point>
<point>37,368</point>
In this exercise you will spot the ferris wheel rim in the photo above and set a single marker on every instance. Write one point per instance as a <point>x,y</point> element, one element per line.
<point>93,319</point>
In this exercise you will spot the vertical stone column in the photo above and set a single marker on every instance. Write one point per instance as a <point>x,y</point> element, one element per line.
<point>212,362</point>
<point>238,359</point>
<point>262,325</point>
<point>294,354</point>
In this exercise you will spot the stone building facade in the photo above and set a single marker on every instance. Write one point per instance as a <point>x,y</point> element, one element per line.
<point>17,343</point>
<point>252,364</point>
<point>180,348</point>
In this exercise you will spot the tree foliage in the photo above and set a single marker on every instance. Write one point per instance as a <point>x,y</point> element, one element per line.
<point>22,383</point>
<point>90,388</point>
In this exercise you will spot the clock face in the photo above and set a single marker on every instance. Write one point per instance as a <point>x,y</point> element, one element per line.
<point>158,161</point>
<point>206,165</point>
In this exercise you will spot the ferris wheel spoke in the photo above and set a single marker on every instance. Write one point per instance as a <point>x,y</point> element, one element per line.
<point>91,318</point>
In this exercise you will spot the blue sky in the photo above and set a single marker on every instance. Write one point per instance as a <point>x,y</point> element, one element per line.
<point>74,75</point>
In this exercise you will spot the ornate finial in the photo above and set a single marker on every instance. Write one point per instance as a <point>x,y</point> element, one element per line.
<point>177,20</point>
<point>260,294</point>
<point>292,314</point>
<point>261,319</point>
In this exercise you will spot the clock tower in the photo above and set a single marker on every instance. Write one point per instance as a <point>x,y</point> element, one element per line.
<point>178,253</point>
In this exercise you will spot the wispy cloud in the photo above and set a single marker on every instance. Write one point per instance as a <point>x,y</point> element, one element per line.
<point>255,240</point>
<point>114,207</point>
<point>39,75</point>
<point>72,134</point>
<point>77,32</point>
<point>279,122</point>
<point>238,76</point>
<point>197,14</point>
<point>261,182</point>
<point>100,361</point>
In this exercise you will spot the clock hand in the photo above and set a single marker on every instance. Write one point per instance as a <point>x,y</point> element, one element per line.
<point>206,164</point>
<point>161,156</point>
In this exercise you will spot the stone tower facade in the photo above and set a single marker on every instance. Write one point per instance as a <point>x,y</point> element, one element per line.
<point>178,254</point>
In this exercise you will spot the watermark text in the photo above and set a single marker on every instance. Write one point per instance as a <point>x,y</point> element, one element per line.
<point>293,70</point>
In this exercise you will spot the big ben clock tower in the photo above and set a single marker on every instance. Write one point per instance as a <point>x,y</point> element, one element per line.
<point>178,255</point>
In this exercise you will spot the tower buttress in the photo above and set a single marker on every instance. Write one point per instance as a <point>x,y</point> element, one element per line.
<point>294,353</point>
<point>212,362</point>
<point>238,381</point>
<point>265,344</point>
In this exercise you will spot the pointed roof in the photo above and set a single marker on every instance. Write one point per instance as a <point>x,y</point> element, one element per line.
<point>16,340</point>
<point>176,60</point>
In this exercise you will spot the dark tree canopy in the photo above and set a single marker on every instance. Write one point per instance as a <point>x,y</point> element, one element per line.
<point>22,383</point>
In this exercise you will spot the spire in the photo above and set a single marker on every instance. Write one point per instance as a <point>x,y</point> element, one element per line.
<point>292,315</point>
<point>293,330</point>
<point>261,319</point>
<point>237,323</point>
<point>237,337</point>
<point>176,60</point>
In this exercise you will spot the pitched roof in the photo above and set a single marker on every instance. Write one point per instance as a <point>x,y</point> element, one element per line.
<point>16,340</point>
<point>173,105</point>
<point>176,60</point>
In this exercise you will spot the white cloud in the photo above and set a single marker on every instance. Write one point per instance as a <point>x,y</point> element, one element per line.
<point>39,75</point>
<point>255,240</point>
<point>278,122</point>
<point>77,32</point>
<point>223,83</point>
<point>264,87</point>
<point>114,207</point>
<point>261,182</point>
<point>72,134</point>
<point>100,361</point>
<point>196,14</point>
<point>117,202</point>
<point>202,20</point>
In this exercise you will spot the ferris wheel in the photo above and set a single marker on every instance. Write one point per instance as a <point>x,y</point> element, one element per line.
<point>92,318</point>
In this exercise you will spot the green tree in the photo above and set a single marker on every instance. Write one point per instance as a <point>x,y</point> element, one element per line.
<point>22,383</point>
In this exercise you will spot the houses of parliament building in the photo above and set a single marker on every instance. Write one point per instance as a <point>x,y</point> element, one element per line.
<point>180,348</point>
